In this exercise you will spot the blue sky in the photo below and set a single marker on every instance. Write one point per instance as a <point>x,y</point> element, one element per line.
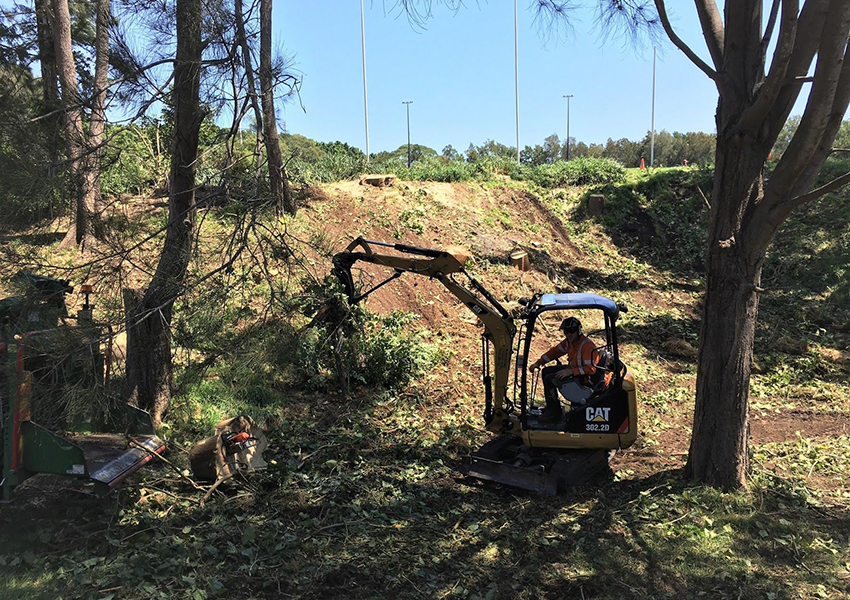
<point>459,73</point>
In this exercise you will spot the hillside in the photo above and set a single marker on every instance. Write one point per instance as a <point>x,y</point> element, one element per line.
<point>362,498</point>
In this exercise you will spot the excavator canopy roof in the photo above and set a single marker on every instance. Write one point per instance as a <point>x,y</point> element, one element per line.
<point>581,300</point>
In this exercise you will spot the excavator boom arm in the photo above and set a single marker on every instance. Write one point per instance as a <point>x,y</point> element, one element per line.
<point>442,265</point>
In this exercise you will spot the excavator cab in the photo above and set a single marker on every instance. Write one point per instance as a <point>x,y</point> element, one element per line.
<point>548,457</point>
<point>600,409</point>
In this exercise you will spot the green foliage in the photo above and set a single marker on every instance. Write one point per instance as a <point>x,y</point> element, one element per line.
<point>300,147</point>
<point>660,217</point>
<point>339,162</point>
<point>581,171</point>
<point>433,169</point>
<point>343,149</point>
<point>134,160</point>
<point>489,148</point>
<point>32,186</point>
<point>492,167</point>
<point>418,152</point>
<point>811,253</point>
<point>234,163</point>
<point>374,350</point>
<point>410,219</point>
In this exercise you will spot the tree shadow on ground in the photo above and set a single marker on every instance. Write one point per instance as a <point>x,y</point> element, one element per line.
<point>569,277</point>
<point>33,239</point>
<point>338,520</point>
<point>656,331</point>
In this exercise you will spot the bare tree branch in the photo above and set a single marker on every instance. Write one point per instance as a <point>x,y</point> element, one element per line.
<point>828,95</point>
<point>420,11</point>
<point>681,45</point>
<point>822,190</point>
<point>770,89</point>
<point>768,30</point>
<point>712,29</point>
<point>811,21</point>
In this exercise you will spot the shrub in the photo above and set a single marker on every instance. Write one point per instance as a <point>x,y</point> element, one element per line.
<point>130,165</point>
<point>491,166</point>
<point>432,169</point>
<point>339,163</point>
<point>580,171</point>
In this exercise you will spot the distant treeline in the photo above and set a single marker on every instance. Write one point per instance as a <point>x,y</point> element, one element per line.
<point>671,149</point>
<point>136,157</point>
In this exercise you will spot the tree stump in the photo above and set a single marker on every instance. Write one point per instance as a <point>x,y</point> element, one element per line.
<point>380,180</point>
<point>519,259</point>
<point>595,204</point>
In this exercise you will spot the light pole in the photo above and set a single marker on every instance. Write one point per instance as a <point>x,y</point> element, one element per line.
<point>652,143</point>
<point>516,79</point>
<point>568,96</point>
<point>365,97</point>
<point>407,104</point>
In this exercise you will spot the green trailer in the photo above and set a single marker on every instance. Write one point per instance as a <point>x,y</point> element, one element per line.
<point>44,368</point>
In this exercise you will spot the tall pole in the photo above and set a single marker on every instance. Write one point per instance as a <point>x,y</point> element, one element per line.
<point>516,79</point>
<point>568,96</point>
<point>365,96</point>
<point>407,104</point>
<point>652,143</point>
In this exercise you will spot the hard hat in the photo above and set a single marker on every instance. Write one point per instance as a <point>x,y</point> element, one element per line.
<point>571,324</point>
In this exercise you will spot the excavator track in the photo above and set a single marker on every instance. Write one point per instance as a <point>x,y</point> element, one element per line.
<point>507,461</point>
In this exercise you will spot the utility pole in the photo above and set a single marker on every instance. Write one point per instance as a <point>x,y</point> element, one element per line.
<point>365,97</point>
<point>568,123</point>
<point>407,104</point>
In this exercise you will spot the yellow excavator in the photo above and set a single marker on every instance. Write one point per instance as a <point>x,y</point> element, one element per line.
<point>529,452</point>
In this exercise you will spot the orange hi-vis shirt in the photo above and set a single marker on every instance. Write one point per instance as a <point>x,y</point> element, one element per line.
<point>580,355</point>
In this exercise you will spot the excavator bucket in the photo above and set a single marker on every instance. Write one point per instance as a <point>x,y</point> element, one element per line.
<point>535,480</point>
<point>507,461</point>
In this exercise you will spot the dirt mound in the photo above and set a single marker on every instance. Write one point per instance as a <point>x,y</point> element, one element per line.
<point>490,222</point>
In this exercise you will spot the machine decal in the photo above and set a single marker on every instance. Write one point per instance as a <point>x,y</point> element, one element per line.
<point>476,309</point>
<point>598,414</point>
<point>597,418</point>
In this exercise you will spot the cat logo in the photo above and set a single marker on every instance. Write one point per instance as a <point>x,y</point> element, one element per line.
<point>597,415</point>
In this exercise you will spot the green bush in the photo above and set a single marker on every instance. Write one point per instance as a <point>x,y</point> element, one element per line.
<point>489,167</point>
<point>376,350</point>
<point>340,162</point>
<point>130,164</point>
<point>432,169</point>
<point>580,171</point>
<point>661,218</point>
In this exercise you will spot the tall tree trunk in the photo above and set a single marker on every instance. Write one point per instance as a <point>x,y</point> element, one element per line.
<point>98,117</point>
<point>718,453</point>
<point>277,176</point>
<point>72,119</point>
<point>49,81</point>
<point>745,210</point>
<point>252,86</point>
<point>149,367</point>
